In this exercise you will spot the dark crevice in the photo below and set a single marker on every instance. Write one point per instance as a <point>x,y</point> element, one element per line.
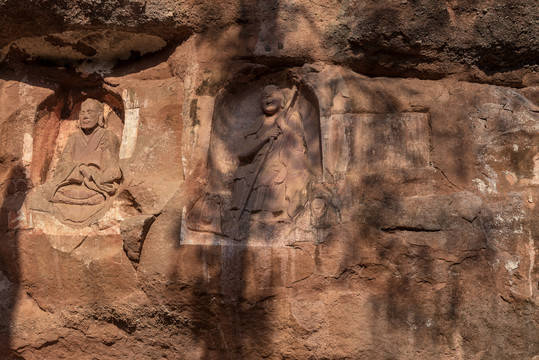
<point>377,57</point>
<point>347,272</point>
<point>40,347</point>
<point>79,244</point>
<point>48,343</point>
<point>471,221</point>
<point>123,325</point>
<point>277,64</point>
<point>79,46</point>
<point>35,302</point>
<point>447,178</point>
<point>408,228</point>
<point>264,299</point>
<point>126,195</point>
<point>136,62</point>
<point>466,258</point>
<point>145,231</point>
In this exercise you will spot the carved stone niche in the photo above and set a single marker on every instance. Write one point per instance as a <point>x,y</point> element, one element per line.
<point>263,162</point>
<point>75,159</point>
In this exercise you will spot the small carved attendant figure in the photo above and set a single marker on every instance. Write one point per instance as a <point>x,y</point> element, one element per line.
<point>87,174</point>
<point>273,171</point>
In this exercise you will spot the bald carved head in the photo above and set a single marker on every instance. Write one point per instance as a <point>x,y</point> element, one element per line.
<point>91,115</point>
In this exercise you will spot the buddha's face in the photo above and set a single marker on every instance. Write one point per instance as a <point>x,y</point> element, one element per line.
<point>271,101</point>
<point>90,115</point>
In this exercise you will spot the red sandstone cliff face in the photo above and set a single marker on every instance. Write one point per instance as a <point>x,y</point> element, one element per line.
<point>417,238</point>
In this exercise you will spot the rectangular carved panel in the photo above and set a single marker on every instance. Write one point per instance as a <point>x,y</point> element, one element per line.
<point>375,142</point>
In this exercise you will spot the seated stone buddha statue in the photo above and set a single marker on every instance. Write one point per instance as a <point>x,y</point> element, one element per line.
<point>88,174</point>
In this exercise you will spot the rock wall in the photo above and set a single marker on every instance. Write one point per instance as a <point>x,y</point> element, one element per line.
<point>386,210</point>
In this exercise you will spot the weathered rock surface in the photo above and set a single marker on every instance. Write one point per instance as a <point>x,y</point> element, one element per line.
<point>417,237</point>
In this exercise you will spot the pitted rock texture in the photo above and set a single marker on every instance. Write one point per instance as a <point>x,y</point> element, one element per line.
<point>419,239</point>
<point>480,41</point>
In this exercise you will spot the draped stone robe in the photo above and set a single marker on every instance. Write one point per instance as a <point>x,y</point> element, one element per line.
<point>281,183</point>
<point>78,199</point>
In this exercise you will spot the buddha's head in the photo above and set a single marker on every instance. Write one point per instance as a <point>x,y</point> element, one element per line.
<point>272,100</point>
<point>91,115</point>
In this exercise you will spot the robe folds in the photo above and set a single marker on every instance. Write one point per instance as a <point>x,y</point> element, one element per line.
<point>86,178</point>
<point>280,184</point>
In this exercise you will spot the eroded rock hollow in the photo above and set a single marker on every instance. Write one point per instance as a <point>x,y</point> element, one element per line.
<point>269,179</point>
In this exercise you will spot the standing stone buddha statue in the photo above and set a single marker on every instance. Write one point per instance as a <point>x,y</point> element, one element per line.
<point>283,171</point>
